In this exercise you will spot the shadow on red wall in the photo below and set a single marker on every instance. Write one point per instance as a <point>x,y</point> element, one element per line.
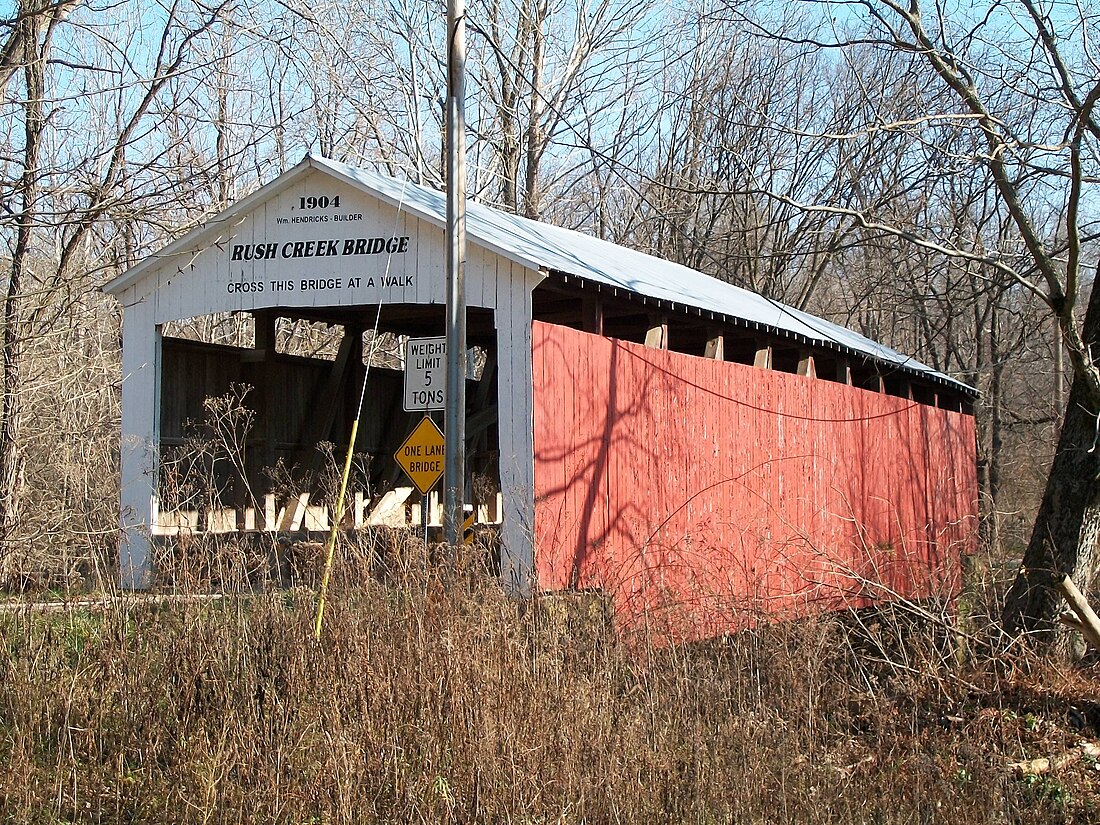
<point>706,496</point>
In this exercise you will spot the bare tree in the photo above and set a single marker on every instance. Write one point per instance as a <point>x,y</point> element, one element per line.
<point>83,169</point>
<point>1021,81</point>
<point>542,65</point>
<point>28,45</point>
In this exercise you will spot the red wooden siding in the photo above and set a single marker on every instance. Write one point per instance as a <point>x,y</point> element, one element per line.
<point>705,494</point>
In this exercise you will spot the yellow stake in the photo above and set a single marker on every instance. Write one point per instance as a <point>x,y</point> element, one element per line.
<point>329,550</point>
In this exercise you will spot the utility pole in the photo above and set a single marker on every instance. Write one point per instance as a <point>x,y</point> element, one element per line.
<point>454,455</point>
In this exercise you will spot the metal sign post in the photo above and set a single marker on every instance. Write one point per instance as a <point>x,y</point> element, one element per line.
<point>455,421</point>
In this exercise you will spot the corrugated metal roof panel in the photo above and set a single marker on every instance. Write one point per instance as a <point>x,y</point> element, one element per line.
<point>545,246</point>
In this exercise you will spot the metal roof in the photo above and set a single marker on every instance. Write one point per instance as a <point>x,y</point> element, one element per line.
<point>543,246</point>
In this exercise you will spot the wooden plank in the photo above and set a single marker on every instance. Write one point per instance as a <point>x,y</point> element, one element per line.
<point>358,518</point>
<point>716,346</point>
<point>270,513</point>
<point>140,445</point>
<point>290,517</point>
<point>390,510</point>
<point>220,520</point>
<point>843,370</point>
<point>674,483</point>
<point>806,364</point>
<point>435,511</point>
<point>516,440</point>
<point>316,519</point>
<point>592,314</point>
<point>174,522</point>
<point>656,336</point>
<point>318,427</point>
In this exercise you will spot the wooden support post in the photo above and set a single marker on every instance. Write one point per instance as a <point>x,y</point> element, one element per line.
<point>435,511</point>
<point>477,443</point>
<point>844,371</point>
<point>176,522</point>
<point>221,520</point>
<point>763,357</point>
<point>488,377</point>
<point>806,364</point>
<point>265,322</point>
<point>592,314</point>
<point>354,373</point>
<point>261,372</point>
<point>716,345</point>
<point>140,447</point>
<point>319,428</point>
<point>657,334</point>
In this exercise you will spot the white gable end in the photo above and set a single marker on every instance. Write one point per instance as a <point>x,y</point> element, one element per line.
<point>315,238</point>
<point>317,243</point>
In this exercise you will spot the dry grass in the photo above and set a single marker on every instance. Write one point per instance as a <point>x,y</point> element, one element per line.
<point>437,699</point>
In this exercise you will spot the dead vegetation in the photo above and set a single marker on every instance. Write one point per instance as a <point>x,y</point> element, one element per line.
<point>434,698</point>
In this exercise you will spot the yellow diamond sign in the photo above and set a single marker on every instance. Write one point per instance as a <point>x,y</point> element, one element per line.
<point>421,456</point>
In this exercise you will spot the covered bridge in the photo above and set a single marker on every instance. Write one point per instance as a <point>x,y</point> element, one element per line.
<point>696,450</point>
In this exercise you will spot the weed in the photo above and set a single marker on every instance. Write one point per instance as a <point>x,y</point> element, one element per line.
<point>433,697</point>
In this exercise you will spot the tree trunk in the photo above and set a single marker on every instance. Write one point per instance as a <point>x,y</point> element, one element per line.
<point>1063,540</point>
<point>11,459</point>
<point>996,418</point>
